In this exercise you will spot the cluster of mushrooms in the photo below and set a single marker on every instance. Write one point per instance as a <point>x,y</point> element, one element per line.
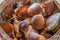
<point>31,21</point>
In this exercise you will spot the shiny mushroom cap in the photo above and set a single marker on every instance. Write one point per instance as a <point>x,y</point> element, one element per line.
<point>38,21</point>
<point>23,26</point>
<point>34,9</point>
<point>35,36</point>
<point>49,7</point>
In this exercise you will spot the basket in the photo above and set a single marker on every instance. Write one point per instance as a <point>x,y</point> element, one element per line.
<point>10,2</point>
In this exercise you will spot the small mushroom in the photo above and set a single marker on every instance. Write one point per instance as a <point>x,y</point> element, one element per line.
<point>16,27</point>
<point>22,12</point>
<point>38,21</point>
<point>30,29</point>
<point>49,7</point>
<point>8,12</point>
<point>23,26</point>
<point>35,36</point>
<point>34,9</point>
<point>8,28</point>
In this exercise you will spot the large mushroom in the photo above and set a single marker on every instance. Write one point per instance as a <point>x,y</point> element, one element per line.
<point>34,9</point>
<point>22,12</point>
<point>38,21</point>
<point>23,26</point>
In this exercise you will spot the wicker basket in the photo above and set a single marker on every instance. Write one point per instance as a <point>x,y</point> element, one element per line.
<point>10,2</point>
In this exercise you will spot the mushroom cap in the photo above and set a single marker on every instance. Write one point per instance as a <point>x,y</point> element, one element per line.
<point>22,11</point>
<point>8,28</point>
<point>35,36</point>
<point>34,9</point>
<point>49,7</point>
<point>24,25</point>
<point>8,10</point>
<point>38,22</point>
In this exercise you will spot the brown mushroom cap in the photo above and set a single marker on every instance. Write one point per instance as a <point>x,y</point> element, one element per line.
<point>35,36</point>
<point>30,29</point>
<point>38,21</point>
<point>34,9</point>
<point>23,26</point>
<point>22,11</point>
<point>49,8</point>
<point>8,28</point>
<point>8,12</point>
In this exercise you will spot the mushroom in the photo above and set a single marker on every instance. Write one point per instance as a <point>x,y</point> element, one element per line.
<point>8,12</point>
<point>38,22</point>
<point>22,12</point>
<point>8,28</point>
<point>16,26</point>
<point>35,36</point>
<point>34,9</point>
<point>49,7</point>
<point>23,26</point>
<point>52,22</point>
<point>30,29</point>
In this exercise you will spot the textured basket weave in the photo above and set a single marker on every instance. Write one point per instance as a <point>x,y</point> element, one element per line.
<point>10,2</point>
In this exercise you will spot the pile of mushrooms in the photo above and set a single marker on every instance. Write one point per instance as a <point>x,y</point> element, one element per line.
<point>31,21</point>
